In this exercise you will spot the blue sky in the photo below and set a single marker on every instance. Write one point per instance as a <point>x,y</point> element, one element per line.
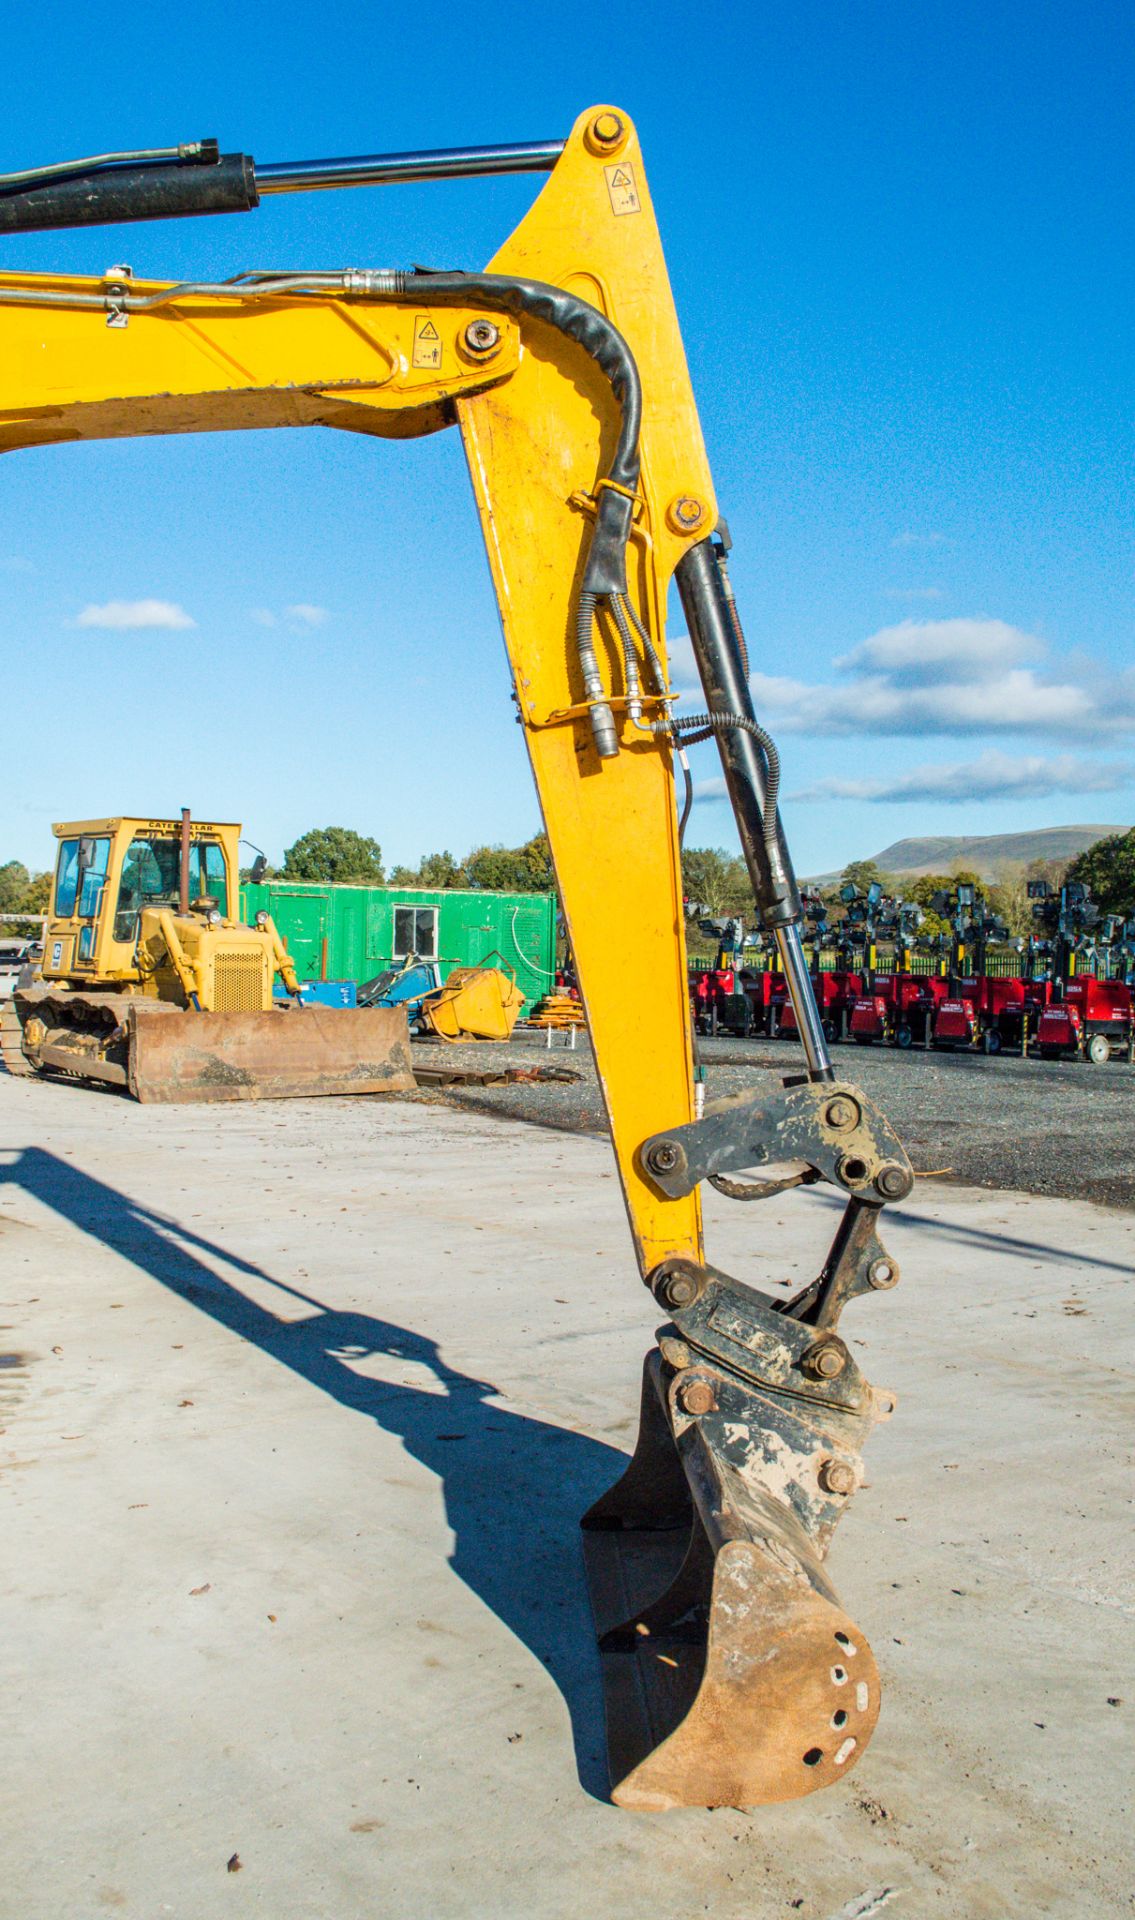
<point>900,239</point>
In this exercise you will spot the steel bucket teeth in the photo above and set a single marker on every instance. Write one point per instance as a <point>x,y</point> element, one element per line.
<point>732,1676</point>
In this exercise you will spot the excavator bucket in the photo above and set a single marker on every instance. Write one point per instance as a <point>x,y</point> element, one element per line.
<point>294,1052</point>
<point>732,1675</point>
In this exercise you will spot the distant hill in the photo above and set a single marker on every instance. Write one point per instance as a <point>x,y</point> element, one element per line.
<point>993,855</point>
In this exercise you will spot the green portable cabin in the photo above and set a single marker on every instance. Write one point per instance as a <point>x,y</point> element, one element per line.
<point>343,932</point>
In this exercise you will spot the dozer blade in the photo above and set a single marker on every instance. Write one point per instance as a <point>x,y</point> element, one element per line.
<point>289,1053</point>
<point>732,1676</point>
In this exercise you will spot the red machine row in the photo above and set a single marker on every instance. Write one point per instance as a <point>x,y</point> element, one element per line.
<point>1064,993</point>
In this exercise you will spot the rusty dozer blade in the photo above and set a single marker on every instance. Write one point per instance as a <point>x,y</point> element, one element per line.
<point>287,1053</point>
<point>732,1675</point>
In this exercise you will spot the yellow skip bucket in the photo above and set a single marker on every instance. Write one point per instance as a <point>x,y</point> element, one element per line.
<point>476,1003</point>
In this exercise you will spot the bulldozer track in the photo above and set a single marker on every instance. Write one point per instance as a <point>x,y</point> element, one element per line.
<point>12,1058</point>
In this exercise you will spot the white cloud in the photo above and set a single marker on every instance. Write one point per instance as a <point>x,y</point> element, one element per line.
<point>302,617</point>
<point>992,776</point>
<point>951,677</point>
<point>928,652</point>
<point>714,789</point>
<point>125,615</point>
<point>911,542</point>
<point>680,662</point>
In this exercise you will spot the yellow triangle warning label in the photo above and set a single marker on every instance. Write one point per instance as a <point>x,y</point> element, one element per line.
<point>622,188</point>
<point>427,344</point>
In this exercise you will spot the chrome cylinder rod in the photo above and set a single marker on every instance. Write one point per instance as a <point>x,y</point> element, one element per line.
<point>800,991</point>
<point>713,637</point>
<point>378,169</point>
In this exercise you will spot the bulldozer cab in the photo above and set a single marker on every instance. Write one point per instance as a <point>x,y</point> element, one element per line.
<point>109,872</point>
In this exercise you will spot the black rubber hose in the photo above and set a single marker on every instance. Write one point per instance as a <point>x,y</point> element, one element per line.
<point>703,726</point>
<point>606,568</point>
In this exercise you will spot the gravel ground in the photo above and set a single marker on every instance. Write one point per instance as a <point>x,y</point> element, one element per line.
<point>1029,1125</point>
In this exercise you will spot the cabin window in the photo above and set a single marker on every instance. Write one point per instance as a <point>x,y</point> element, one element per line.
<point>415,931</point>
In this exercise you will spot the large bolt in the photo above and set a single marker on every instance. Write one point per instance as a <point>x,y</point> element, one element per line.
<point>837,1476</point>
<point>824,1361</point>
<point>841,1113</point>
<point>696,1397</point>
<point>605,132</point>
<point>678,1285</point>
<point>686,514</point>
<point>893,1181</point>
<point>481,338</point>
<point>675,1352</point>
<point>663,1156</point>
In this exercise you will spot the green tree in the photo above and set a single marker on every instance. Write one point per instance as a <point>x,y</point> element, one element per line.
<point>441,870</point>
<point>922,890</point>
<point>1107,869</point>
<point>526,869</point>
<point>1053,871</point>
<point>862,874</point>
<point>435,870</point>
<point>334,853</point>
<point>1009,900</point>
<point>717,881</point>
<point>14,883</point>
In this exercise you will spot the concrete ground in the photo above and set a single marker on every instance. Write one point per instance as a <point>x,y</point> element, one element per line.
<point>301,1404</point>
<point>1059,1127</point>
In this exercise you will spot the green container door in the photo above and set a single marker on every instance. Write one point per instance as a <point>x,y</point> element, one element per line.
<point>303,920</point>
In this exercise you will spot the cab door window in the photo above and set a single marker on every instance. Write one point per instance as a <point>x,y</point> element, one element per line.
<point>93,858</point>
<point>207,874</point>
<point>67,879</point>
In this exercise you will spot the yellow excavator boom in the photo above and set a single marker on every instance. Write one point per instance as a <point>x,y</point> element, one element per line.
<point>733,1675</point>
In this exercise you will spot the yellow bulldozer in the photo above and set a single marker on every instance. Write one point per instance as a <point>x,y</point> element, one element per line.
<point>148,980</point>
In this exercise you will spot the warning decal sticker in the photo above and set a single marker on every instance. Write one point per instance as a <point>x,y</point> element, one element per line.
<point>622,189</point>
<point>427,343</point>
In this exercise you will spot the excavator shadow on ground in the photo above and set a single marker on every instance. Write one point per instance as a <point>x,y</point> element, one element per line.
<point>513,1487</point>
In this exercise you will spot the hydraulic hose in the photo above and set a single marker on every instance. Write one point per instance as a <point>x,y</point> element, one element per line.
<point>695,727</point>
<point>606,567</point>
<point>200,152</point>
<point>602,718</point>
<point>617,606</point>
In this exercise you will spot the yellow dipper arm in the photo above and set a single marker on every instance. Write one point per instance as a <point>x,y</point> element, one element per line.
<point>87,360</point>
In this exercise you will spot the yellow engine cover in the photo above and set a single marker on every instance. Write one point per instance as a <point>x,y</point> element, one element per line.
<point>238,977</point>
